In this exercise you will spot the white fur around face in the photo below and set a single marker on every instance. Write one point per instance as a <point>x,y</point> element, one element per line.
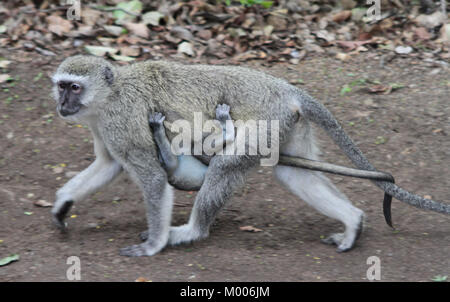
<point>87,96</point>
<point>70,78</point>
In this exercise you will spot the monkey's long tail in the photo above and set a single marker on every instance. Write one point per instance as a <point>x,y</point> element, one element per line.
<point>317,113</point>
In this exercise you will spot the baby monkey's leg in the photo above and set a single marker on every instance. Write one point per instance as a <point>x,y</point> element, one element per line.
<point>169,160</point>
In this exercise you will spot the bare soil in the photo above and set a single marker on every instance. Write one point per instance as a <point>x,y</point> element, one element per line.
<point>404,132</point>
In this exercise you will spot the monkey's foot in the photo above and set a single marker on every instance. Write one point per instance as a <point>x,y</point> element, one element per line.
<point>344,241</point>
<point>59,215</point>
<point>340,240</point>
<point>143,249</point>
<point>184,234</point>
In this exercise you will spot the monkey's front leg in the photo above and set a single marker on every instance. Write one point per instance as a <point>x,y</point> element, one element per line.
<point>101,172</point>
<point>158,198</point>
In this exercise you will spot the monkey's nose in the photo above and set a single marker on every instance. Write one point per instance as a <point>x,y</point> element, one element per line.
<point>65,111</point>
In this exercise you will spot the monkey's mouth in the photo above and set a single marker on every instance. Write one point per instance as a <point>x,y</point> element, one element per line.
<point>69,110</point>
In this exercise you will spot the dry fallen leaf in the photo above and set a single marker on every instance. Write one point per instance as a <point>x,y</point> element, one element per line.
<point>279,22</point>
<point>181,33</point>
<point>58,170</point>
<point>342,56</point>
<point>4,63</point>
<point>58,25</point>
<point>350,45</point>
<point>138,29</point>
<point>342,16</point>
<point>153,18</point>
<point>359,114</point>
<point>113,30</point>
<point>385,89</point>
<point>122,58</point>
<point>90,16</point>
<point>131,51</point>
<point>186,48</point>
<point>204,34</point>
<point>4,78</point>
<point>407,151</point>
<point>142,279</point>
<point>83,30</point>
<point>326,35</point>
<point>100,50</point>
<point>42,203</point>
<point>250,55</point>
<point>403,50</point>
<point>249,228</point>
<point>422,33</point>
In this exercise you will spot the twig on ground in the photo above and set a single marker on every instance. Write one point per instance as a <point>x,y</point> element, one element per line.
<point>100,8</point>
<point>47,10</point>
<point>111,9</point>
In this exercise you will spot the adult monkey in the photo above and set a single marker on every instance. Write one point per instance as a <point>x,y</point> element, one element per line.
<point>115,101</point>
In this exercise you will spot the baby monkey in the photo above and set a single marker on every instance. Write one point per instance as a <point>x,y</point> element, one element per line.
<point>185,172</point>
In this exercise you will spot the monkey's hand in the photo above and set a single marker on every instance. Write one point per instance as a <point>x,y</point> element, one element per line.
<point>156,120</point>
<point>223,112</point>
<point>59,215</point>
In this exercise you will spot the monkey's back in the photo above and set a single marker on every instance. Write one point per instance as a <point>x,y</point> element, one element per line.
<point>178,90</point>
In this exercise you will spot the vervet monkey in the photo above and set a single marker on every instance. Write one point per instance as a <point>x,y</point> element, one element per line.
<point>115,102</point>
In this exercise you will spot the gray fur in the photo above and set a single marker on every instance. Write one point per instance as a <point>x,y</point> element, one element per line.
<point>185,172</point>
<point>117,115</point>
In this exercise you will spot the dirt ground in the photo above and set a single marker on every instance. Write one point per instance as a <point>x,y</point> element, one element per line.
<point>404,132</point>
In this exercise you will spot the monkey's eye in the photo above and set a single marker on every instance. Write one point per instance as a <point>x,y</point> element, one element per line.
<point>75,88</point>
<point>61,87</point>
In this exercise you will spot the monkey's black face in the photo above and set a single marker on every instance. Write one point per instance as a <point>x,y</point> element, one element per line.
<point>69,97</point>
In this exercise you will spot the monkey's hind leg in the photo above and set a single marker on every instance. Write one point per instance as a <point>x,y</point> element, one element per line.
<point>318,191</point>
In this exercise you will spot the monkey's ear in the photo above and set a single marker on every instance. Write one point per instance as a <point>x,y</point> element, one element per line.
<point>109,76</point>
